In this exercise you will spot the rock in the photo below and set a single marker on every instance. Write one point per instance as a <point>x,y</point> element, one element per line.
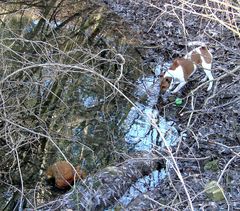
<point>214,191</point>
<point>64,174</point>
<point>211,165</point>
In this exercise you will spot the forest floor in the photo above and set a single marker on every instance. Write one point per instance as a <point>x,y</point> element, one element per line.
<point>211,149</point>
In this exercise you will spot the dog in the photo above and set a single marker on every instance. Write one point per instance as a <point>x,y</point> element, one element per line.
<point>182,68</point>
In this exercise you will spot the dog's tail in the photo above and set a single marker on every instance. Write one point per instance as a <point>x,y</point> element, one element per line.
<point>197,43</point>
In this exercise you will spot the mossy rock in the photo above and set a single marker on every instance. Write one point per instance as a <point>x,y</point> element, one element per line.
<point>211,165</point>
<point>171,98</point>
<point>214,191</point>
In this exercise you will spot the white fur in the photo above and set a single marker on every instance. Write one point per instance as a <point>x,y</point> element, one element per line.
<point>196,43</point>
<point>178,77</point>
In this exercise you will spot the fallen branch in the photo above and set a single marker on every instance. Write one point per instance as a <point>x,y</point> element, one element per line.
<point>105,187</point>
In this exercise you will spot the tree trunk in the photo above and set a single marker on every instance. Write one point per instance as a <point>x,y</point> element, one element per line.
<point>107,186</point>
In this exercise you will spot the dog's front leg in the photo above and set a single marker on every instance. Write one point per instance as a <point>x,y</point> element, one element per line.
<point>179,87</point>
<point>204,79</point>
<point>171,86</point>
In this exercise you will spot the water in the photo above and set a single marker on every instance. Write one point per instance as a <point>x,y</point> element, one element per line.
<point>142,136</point>
<point>30,27</point>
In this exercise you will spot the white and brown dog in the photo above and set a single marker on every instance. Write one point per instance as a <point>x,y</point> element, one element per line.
<point>183,68</point>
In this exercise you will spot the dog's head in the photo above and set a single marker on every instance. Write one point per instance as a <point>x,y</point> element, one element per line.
<point>165,83</point>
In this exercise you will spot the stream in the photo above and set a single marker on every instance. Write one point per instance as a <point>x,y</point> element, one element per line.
<point>142,136</point>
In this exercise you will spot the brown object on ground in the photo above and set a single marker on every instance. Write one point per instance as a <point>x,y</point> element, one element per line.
<point>64,174</point>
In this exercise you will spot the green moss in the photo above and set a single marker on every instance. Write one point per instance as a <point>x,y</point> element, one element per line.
<point>96,184</point>
<point>214,191</point>
<point>113,170</point>
<point>211,165</point>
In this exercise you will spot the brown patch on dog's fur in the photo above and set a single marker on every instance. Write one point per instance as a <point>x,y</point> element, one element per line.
<point>175,64</point>
<point>187,66</point>
<point>196,58</point>
<point>206,55</point>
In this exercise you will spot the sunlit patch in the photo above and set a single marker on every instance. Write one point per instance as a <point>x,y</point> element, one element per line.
<point>140,134</point>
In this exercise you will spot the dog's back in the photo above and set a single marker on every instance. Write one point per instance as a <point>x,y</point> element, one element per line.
<point>200,56</point>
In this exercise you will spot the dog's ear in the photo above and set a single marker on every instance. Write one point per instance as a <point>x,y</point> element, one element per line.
<point>162,75</point>
<point>176,61</point>
<point>175,64</point>
<point>168,80</point>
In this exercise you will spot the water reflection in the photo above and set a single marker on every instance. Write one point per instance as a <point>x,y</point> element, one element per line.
<point>142,136</point>
<point>148,86</point>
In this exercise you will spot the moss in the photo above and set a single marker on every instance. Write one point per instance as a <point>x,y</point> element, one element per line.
<point>211,165</point>
<point>113,171</point>
<point>96,184</point>
<point>214,191</point>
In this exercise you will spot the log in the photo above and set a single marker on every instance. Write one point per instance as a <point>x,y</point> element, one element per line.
<point>105,187</point>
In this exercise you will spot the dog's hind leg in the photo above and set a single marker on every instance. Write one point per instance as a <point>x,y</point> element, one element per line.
<point>207,70</point>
